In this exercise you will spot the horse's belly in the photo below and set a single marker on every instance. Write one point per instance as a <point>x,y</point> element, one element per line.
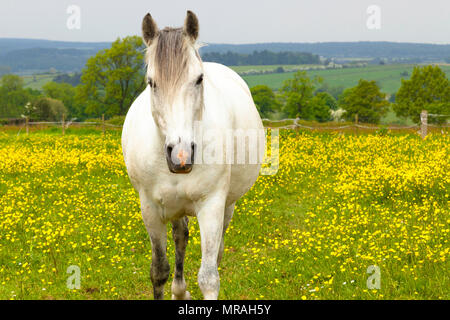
<point>242,179</point>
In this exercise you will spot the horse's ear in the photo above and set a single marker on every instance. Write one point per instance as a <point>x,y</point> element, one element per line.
<point>191,25</point>
<point>149,29</point>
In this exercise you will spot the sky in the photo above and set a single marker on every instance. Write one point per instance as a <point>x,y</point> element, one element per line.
<point>232,21</point>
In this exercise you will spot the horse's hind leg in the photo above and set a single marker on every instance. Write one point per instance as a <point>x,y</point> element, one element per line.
<point>180,232</point>
<point>160,269</point>
<point>226,222</point>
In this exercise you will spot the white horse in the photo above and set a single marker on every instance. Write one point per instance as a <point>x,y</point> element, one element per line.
<point>161,151</point>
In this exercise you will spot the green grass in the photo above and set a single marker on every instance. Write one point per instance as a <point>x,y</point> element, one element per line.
<point>286,67</point>
<point>391,118</point>
<point>388,76</point>
<point>338,204</point>
<point>37,81</point>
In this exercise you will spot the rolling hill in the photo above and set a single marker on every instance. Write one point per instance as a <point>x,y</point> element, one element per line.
<point>34,55</point>
<point>388,77</point>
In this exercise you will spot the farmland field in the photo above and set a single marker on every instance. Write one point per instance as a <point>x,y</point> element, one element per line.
<point>388,76</point>
<point>37,81</point>
<point>286,67</point>
<point>337,205</point>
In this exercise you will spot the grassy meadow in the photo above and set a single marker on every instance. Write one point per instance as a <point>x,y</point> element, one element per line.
<point>338,204</point>
<point>286,67</point>
<point>37,81</point>
<point>387,76</point>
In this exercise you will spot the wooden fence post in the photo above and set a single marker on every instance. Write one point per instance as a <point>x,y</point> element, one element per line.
<point>26,124</point>
<point>103,124</point>
<point>356,123</point>
<point>63,127</point>
<point>423,123</point>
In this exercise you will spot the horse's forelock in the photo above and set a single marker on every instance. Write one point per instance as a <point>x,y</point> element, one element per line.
<point>169,57</point>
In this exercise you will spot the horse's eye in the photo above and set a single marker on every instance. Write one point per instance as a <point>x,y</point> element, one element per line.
<point>199,80</point>
<point>151,83</point>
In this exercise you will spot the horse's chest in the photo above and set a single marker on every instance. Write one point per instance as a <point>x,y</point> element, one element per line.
<point>175,199</point>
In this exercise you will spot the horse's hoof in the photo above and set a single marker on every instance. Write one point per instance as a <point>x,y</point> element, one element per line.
<point>187,296</point>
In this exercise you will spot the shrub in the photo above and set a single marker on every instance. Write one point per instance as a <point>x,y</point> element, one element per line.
<point>49,109</point>
<point>117,120</point>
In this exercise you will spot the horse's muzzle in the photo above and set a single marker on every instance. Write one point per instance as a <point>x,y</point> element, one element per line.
<point>180,157</point>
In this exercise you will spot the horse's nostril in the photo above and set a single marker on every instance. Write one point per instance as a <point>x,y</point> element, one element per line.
<point>193,147</point>
<point>169,149</point>
<point>179,157</point>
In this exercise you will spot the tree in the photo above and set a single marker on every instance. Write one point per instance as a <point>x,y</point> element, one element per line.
<point>265,100</point>
<point>49,109</point>
<point>12,82</point>
<point>4,70</point>
<point>330,101</point>
<point>335,92</point>
<point>366,100</point>
<point>319,109</point>
<point>73,79</point>
<point>297,93</point>
<point>113,78</point>
<point>63,92</point>
<point>392,98</point>
<point>13,97</point>
<point>427,89</point>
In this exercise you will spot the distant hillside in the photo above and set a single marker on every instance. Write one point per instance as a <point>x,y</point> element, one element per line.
<point>261,58</point>
<point>31,55</point>
<point>11,44</point>
<point>42,59</point>
<point>344,49</point>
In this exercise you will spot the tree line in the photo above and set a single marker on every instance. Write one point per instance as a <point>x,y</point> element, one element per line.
<point>264,57</point>
<point>114,77</point>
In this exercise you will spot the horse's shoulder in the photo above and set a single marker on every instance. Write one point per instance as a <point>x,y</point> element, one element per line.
<point>138,113</point>
<point>140,102</point>
<point>224,77</point>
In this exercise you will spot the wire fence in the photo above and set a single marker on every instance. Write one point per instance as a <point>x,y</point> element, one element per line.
<point>423,127</point>
<point>295,124</point>
<point>78,123</point>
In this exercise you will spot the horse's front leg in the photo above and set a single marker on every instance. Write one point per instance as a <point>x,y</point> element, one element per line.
<point>210,219</point>
<point>160,269</point>
<point>180,232</point>
<point>226,222</point>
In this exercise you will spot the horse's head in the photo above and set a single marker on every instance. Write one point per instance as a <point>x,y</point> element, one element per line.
<point>175,77</point>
